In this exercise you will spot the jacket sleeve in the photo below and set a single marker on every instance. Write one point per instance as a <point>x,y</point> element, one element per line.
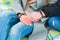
<point>52,9</point>
<point>17,7</point>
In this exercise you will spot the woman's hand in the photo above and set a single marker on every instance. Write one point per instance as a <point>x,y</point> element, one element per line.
<point>25,19</point>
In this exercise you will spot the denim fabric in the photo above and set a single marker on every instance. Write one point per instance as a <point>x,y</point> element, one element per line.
<point>9,25</point>
<point>7,20</point>
<point>19,30</point>
<point>54,22</point>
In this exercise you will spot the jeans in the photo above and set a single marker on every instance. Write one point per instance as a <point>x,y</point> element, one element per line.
<point>54,22</point>
<point>11,28</point>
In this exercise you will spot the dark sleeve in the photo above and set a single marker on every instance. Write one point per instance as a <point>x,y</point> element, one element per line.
<point>52,9</point>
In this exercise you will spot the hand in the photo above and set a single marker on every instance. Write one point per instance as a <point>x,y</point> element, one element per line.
<point>25,19</point>
<point>35,16</point>
<point>31,17</point>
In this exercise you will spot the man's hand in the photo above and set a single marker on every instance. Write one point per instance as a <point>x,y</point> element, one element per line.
<point>35,16</point>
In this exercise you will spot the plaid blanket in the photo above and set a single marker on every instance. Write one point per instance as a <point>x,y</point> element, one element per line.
<point>53,35</point>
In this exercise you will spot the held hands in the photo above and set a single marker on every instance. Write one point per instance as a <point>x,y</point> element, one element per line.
<point>27,19</point>
<point>31,17</point>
